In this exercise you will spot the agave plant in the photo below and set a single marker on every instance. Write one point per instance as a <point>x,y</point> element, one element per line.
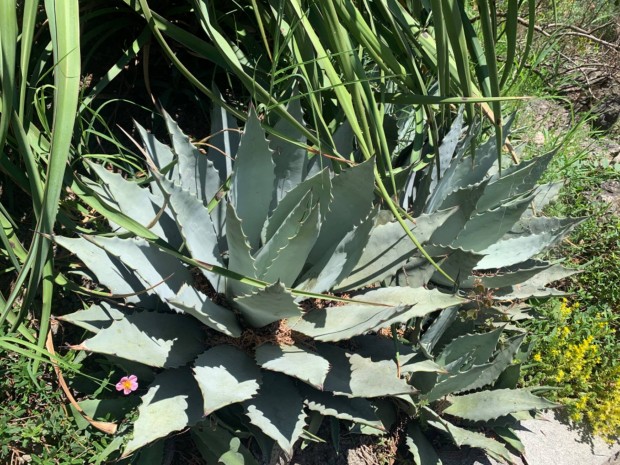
<point>224,304</point>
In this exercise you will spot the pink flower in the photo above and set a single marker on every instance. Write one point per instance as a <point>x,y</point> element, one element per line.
<point>127,384</point>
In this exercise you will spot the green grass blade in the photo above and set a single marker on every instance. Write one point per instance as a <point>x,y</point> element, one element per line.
<point>31,8</point>
<point>511,27</point>
<point>530,35</point>
<point>8,50</point>
<point>456,35</point>
<point>63,17</point>
<point>488,33</point>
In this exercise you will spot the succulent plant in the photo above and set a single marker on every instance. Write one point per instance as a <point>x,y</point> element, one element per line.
<point>225,300</point>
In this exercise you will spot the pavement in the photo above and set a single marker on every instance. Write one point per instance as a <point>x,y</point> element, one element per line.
<point>547,442</point>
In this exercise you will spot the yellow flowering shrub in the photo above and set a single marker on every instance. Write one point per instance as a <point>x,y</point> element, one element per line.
<point>577,353</point>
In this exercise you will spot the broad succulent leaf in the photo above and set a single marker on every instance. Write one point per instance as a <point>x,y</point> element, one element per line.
<point>485,229</point>
<point>95,317</point>
<point>478,347</point>
<point>355,376</point>
<point>465,437</point>
<point>172,403</point>
<point>333,267</point>
<point>517,248</point>
<point>320,187</point>
<point>225,375</point>
<point>156,339</point>
<point>161,155</point>
<point>295,361</point>
<point>388,248</point>
<point>458,263</point>
<point>545,194</point>
<point>394,305</point>
<point>224,140</point>
<point>499,364</point>
<point>240,258</point>
<point>341,323</point>
<point>509,436</point>
<point>352,192</point>
<point>376,347</point>
<point>132,200</point>
<point>465,199</point>
<point>420,447</point>
<point>510,276</point>
<point>109,270</point>
<point>196,227</point>
<point>253,179</point>
<point>267,305</point>
<point>158,271</point>
<point>535,286</point>
<point>193,302</point>
<point>436,330</point>
<point>518,179</point>
<point>291,159</point>
<point>465,171</point>
<point>488,405</point>
<point>278,410</point>
<point>357,410</point>
<point>282,258</point>
<point>195,170</point>
<point>454,383</point>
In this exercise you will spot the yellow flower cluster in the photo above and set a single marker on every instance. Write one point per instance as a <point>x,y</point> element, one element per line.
<point>604,412</point>
<point>570,358</point>
<point>566,309</point>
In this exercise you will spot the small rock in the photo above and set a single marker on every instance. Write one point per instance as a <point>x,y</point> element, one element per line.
<point>611,194</point>
<point>539,138</point>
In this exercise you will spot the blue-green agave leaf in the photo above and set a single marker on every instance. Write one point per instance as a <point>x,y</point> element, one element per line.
<point>516,180</point>
<point>158,270</point>
<point>489,405</point>
<point>95,317</point>
<point>500,362</point>
<point>225,375</point>
<point>253,180</point>
<point>267,305</point>
<point>420,447</point>
<point>356,410</point>
<point>109,271</point>
<point>478,347</point>
<point>320,187</point>
<point>193,302</point>
<point>352,375</point>
<point>239,253</point>
<point>278,410</point>
<point>196,172</point>
<point>223,141</point>
<point>335,266</point>
<point>217,445</point>
<point>196,227</point>
<point>465,437</point>
<point>291,159</point>
<point>295,361</point>
<point>389,248</point>
<point>282,258</point>
<point>132,200</point>
<point>352,198</point>
<point>161,155</point>
<point>172,403</point>
<point>160,340</point>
